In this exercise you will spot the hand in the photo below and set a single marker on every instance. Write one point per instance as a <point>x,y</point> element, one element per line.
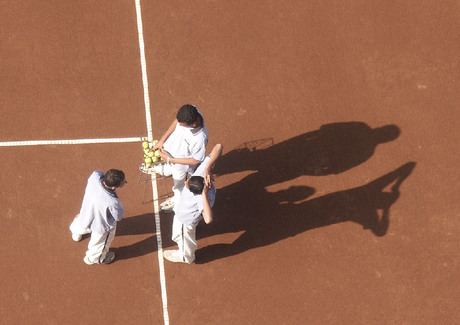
<point>206,188</point>
<point>164,154</point>
<point>207,177</point>
<point>158,145</point>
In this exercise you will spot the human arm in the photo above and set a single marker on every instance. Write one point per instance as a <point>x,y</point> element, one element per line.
<point>116,211</point>
<point>215,153</point>
<point>182,161</point>
<point>207,210</point>
<point>165,136</point>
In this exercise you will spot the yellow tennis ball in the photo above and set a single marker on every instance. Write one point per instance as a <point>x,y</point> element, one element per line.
<point>148,160</point>
<point>157,153</point>
<point>145,145</point>
<point>154,142</point>
<point>150,154</point>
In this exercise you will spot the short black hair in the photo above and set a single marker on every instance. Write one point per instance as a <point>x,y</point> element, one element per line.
<point>114,178</point>
<point>187,114</point>
<point>196,184</point>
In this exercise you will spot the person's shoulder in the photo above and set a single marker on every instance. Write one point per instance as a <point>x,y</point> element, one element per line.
<point>97,173</point>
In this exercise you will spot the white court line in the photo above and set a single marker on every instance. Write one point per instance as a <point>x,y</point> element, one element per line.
<point>70,141</point>
<point>153,176</point>
<point>121,140</point>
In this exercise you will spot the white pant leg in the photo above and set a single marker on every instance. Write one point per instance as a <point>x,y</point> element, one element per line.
<point>99,245</point>
<point>179,178</point>
<point>76,229</point>
<point>185,237</point>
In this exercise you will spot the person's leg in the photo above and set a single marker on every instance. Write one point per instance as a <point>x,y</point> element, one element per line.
<point>189,245</point>
<point>179,178</point>
<point>185,237</point>
<point>76,230</point>
<point>98,247</point>
<point>177,233</point>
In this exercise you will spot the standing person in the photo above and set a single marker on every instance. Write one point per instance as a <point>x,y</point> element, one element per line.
<point>100,211</point>
<point>183,147</point>
<point>195,204</point>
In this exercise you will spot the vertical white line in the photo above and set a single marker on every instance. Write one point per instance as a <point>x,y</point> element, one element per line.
<point>145,82</point>
<point>156,208</point>
<point>153,176</point>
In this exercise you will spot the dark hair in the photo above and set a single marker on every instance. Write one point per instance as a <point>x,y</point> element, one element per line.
<point>196,184</point>
<point>114,178</point>
<point>187,114</point>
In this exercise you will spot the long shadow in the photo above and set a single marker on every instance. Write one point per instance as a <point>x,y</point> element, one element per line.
<point>268,217</point>
<point>273,218</point>
<point>142,225</point>
<point>332,149</point>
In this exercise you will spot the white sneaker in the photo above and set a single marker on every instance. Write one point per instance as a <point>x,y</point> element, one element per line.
<point>163,169</point>
<point>168,205</point>
<point>76,237</point>
<point>173,255</point>
<point>109,258</point>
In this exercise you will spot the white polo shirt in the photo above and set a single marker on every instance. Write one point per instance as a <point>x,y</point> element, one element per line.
<point>101,208</point>
<point>188,210</point>
<point>186,142</point>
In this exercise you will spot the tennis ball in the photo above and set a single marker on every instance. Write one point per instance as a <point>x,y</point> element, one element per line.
<point>147,165</point>
<point>150,154</point>
<point>148,160</point>
<point>155,159</point>
<point>154,142</point>
<point>145,145</point>
<point>157,153</point>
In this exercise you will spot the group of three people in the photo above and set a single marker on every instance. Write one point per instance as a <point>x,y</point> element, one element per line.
<point>183,148</point>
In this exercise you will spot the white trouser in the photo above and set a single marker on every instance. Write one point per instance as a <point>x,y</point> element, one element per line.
<point>98,245</point>
<point>185,237</point>
<point>178,177</point>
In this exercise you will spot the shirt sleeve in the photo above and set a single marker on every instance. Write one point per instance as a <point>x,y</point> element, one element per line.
<point>200,170</point>
<point>198,152</point>
<point>117,211</point>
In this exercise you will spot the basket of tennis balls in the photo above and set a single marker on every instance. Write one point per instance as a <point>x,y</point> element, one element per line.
<point>151,157</point>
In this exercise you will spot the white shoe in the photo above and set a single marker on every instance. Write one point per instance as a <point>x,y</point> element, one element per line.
<point>173,255</point>
<point>76,237</point>
<point>109,258</point>
<point>168,205</point>
<point>162,169</point>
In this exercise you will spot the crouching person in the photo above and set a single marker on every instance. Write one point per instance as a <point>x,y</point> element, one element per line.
<point>100,211</point>
<point>195,204</point>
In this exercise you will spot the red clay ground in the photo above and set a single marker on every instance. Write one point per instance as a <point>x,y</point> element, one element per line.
<point>335,223</point>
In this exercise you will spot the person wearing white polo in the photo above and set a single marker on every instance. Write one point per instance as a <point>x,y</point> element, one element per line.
<point>100,211</point>
<point>195,204</point>
<point>183,147</point>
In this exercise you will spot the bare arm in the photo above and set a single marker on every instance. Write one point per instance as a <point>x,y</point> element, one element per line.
<point>215,153</point>
<point>207,211</point>
<point>182,161</point>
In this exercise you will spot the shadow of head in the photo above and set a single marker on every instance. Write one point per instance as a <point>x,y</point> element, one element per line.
<point>386,133</point>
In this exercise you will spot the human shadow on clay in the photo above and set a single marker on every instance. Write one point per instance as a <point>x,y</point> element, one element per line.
<point>332,149</point>
<point>142,225</point>
<point>271,217</point>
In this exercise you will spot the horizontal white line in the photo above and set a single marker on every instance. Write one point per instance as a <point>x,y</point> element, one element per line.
<point>74,141</point>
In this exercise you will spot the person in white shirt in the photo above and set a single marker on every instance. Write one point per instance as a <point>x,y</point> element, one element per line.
<point>99,213</point>
<point>183,147</point>
<point>195,204</point>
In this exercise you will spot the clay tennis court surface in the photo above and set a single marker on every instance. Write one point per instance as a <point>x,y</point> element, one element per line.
<point>338,189</point>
